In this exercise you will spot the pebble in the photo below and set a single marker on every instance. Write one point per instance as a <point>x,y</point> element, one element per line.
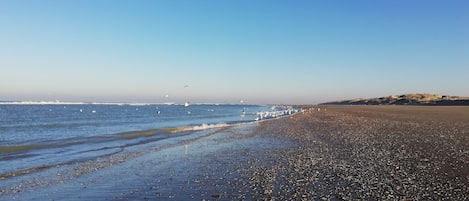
<point>341,155</point>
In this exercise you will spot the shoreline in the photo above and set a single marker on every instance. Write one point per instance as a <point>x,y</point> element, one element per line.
<point>77,181</point>
<point>344,152</point>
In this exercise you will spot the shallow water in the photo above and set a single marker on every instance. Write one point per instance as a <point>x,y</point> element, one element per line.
<point>187,167</point>
<point>36,136</point>
<point>43,145</point>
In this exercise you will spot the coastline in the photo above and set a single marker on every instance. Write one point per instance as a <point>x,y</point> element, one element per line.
<point>343,152</point>
<point>185,167</point>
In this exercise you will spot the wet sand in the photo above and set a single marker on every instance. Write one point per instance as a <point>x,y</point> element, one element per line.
<point>337,153</point>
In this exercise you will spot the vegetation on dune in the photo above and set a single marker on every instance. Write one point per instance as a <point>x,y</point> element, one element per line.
<point>406,99</point>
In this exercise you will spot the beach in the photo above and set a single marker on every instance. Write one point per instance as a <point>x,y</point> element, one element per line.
<point>322,153</point>
<point>372,153</point>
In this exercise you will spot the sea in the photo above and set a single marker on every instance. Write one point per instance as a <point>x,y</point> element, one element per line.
<point>37,135</point>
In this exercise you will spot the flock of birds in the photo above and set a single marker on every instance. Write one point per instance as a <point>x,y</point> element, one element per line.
<point>261,115</point>
<point>276,113</point>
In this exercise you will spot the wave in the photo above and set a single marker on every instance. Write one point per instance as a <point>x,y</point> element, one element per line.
<point>109,152</point>
<point>11,151</point>
<point>75,103</point>
<point>109,103</point>
<point>130,135</point>
<point>74,150</point>
<point>153,132</point>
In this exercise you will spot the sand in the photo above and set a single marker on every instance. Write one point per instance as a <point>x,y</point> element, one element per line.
<point>373,153</point>
<point>337,153</point>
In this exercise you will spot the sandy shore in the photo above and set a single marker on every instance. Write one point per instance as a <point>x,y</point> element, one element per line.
<point>369,152</point>
<point>337,153</point>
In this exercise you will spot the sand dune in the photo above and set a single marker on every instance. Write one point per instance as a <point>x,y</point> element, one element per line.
<point>406,99</point>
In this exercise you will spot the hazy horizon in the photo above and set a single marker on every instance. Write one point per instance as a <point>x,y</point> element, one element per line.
<point>261,52</point>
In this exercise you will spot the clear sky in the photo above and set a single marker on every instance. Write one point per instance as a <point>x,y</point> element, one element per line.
<point>231,50</point>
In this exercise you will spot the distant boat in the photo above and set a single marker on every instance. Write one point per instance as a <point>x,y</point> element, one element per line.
<point>186,104</point>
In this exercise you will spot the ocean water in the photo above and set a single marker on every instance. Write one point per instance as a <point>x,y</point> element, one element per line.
<point>35,136</point>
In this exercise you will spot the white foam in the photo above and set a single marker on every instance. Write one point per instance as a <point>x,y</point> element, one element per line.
<point>74,103</point>
<point>209,126</point>
<point>41,103</point>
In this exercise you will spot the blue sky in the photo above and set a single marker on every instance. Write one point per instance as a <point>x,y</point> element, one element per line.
<point>259,51</point>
